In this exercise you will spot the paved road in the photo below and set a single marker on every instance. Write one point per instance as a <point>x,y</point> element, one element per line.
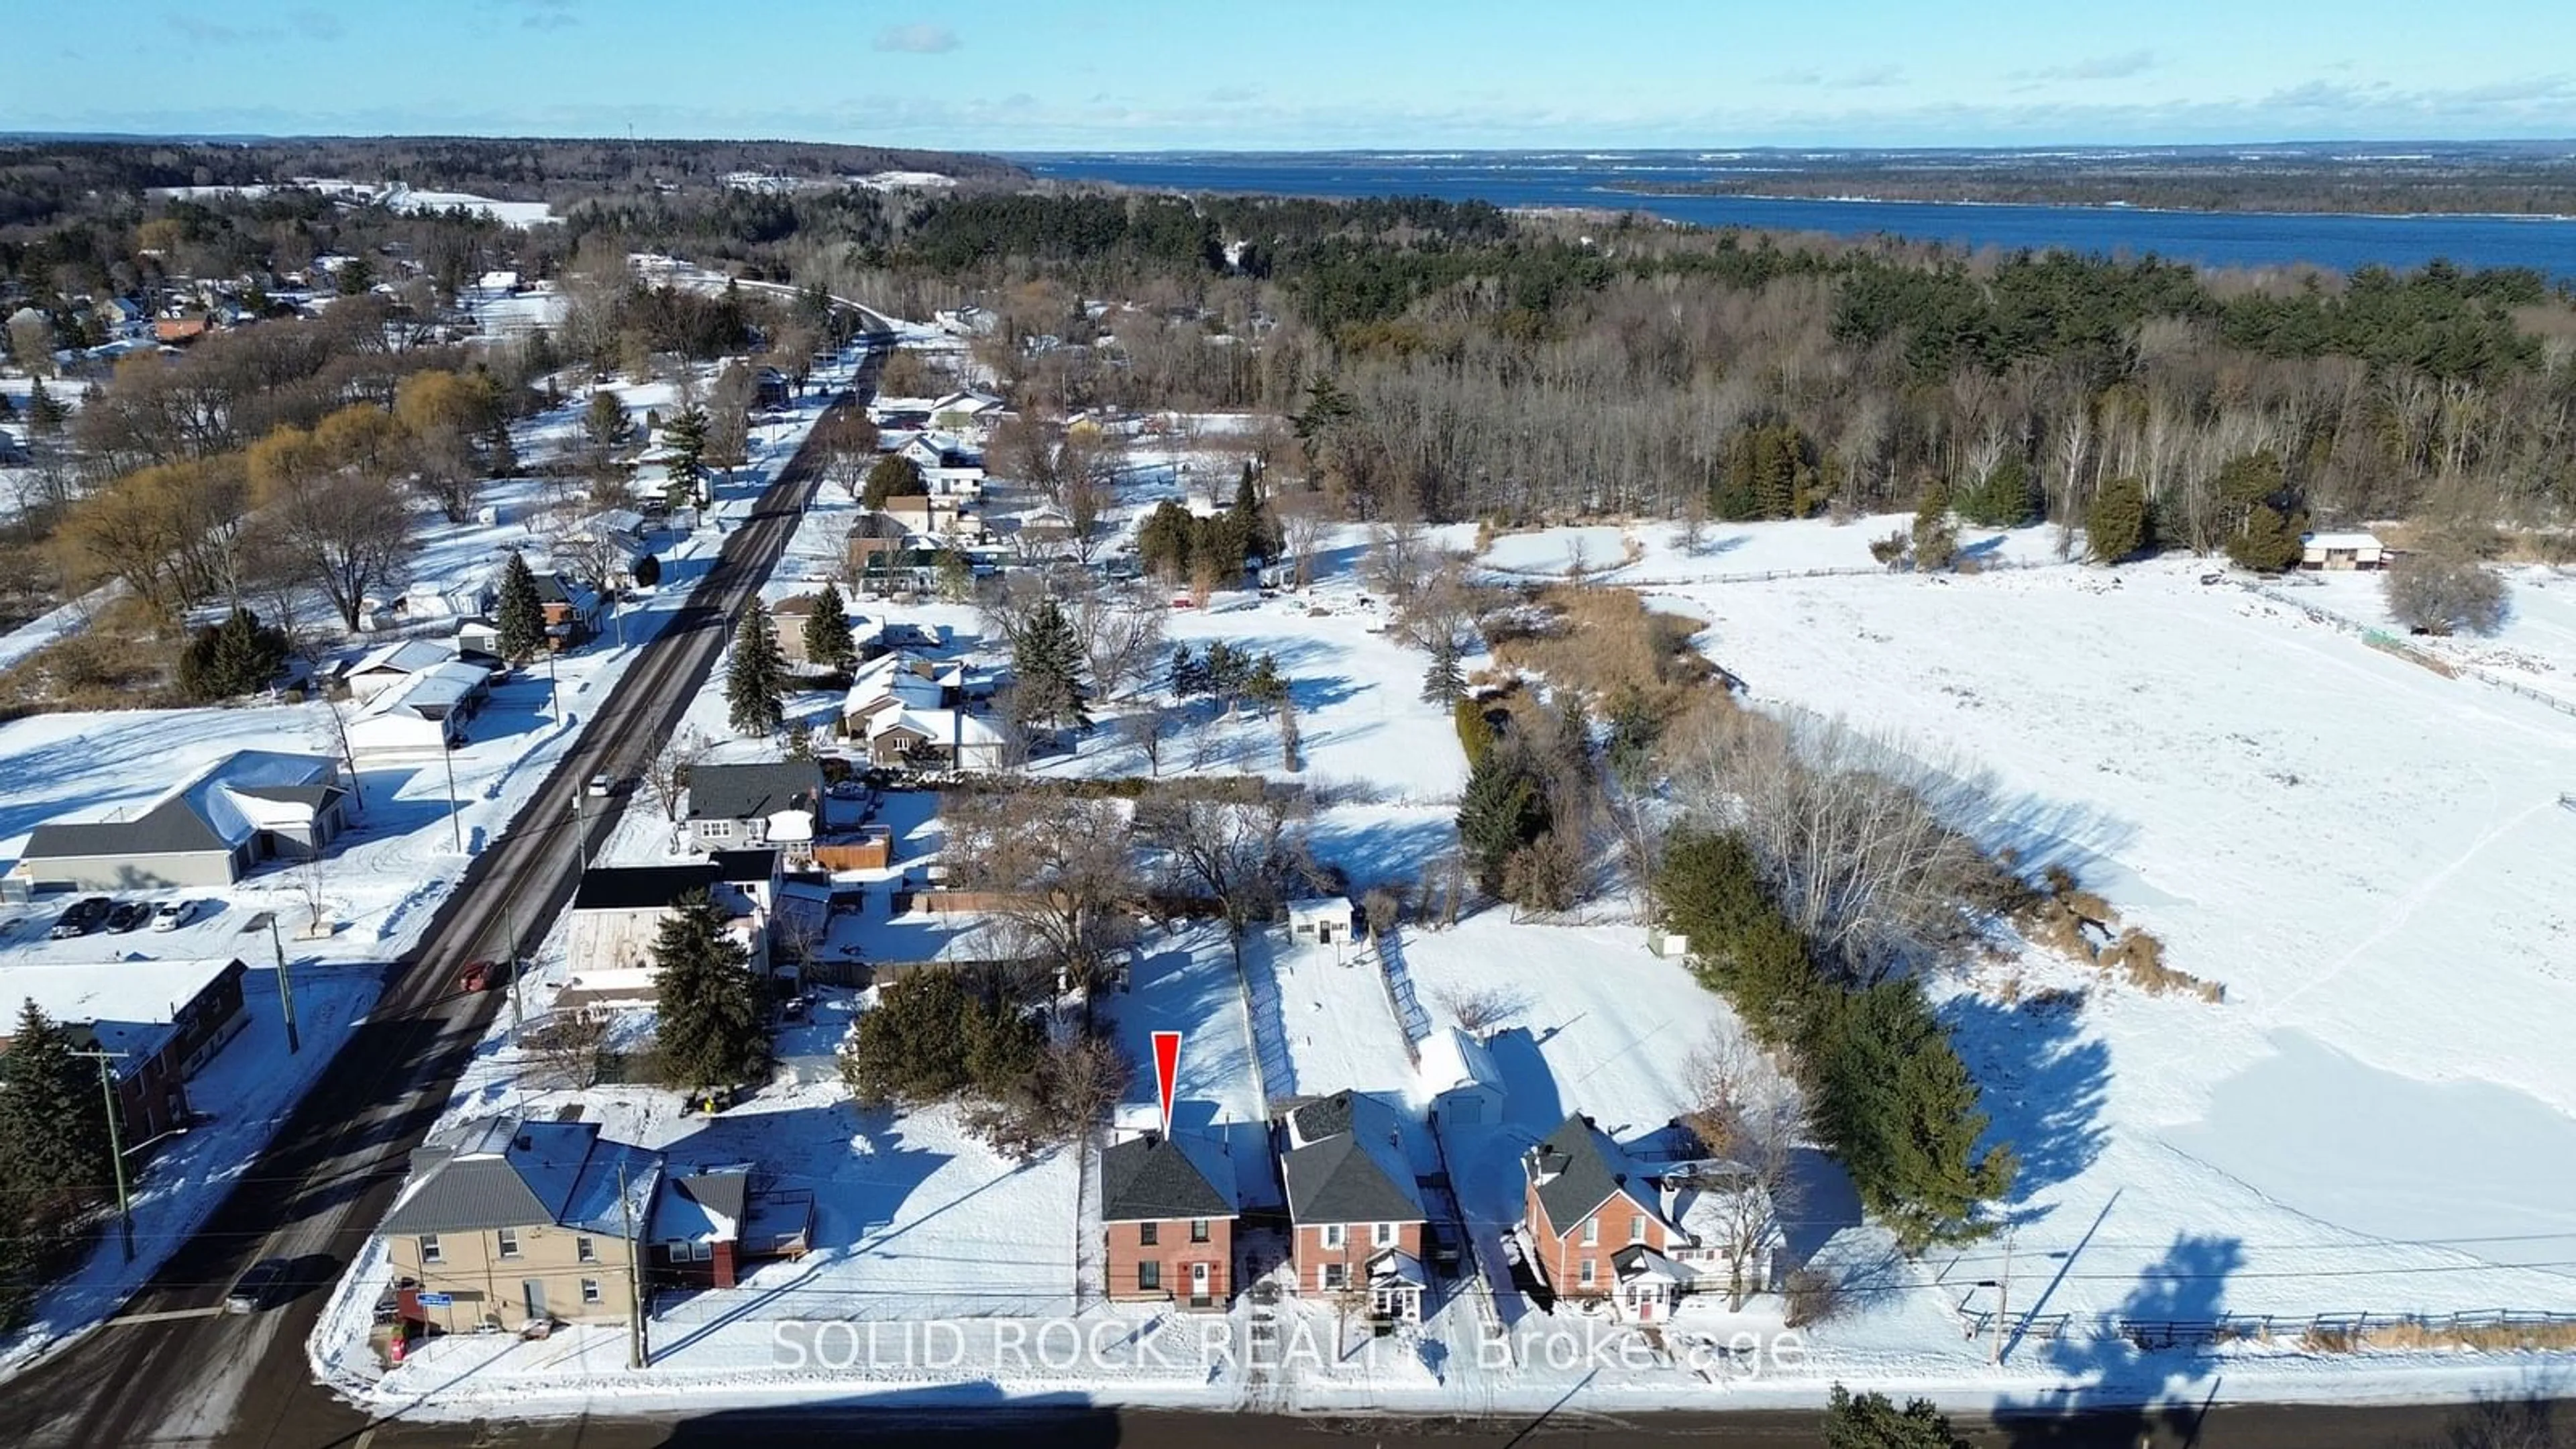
<point>169,1371</point>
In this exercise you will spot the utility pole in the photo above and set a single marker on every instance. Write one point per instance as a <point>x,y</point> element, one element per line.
<point>115,1142</point>
<point>285,987</point>
<point>510,955</point>
<point>455,812</point>
<point>637,1354</point>
<point>2003,1303</point>
<point>554,687</point>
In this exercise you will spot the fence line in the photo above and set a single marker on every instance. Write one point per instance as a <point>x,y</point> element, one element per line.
<point>2151,1335</point>
<point>2390,644</point>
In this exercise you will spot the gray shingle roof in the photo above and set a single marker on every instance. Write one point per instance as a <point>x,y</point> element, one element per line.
<point>506,1173</point>
<point>746,792</point>
<point>1154,1178</point>
<point>1344,1164</point>
<point>1588,1169</point>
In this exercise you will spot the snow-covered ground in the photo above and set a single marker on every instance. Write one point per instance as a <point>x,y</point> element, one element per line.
<point>394,195</point>
<point>2370,857</point>
<point>379,885</point>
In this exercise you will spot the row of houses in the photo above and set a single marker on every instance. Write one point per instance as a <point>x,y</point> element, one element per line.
<point>1602,1223</point>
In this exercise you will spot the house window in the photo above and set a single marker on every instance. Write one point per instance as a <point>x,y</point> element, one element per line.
<point>702,1251</point>
<point>429,1252</point>
<point>1591,1231</point>
<point>1149,1276</point>
<point>1329,1277</point>
<point>590,1290</point>
<point>584,1250</point>
<point>1149,1234</point>
<point>1382,1235</point>
<point>1198,1230</point>
<point>716,829</point>
<point>1583,1275</point>
<point>1637,1228</point>
<point>509,1240</point>
<point>1332,1235</point>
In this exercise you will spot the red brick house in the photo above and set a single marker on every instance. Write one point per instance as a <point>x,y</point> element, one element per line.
<point>1602,1226</point>
<point>1353,1206</point>
<point>164,1019</point>
<point>1168,1206</point>
<point>710,1226</point>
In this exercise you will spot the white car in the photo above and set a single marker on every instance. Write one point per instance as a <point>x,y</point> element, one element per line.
<point>173,915</point>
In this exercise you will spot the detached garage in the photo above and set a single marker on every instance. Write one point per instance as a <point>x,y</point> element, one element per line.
<point>1465,1088</point>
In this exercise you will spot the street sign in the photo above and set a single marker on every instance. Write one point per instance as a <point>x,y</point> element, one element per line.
<point>436,1300</point>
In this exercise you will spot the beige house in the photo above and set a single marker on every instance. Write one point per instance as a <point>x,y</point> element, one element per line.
<point>507,1222</point>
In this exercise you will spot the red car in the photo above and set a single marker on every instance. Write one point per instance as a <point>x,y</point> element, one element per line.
<point>479,976</point>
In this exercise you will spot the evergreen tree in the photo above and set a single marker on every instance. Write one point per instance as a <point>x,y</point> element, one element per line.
<point>1899,1108</point>
<point>709,1028</point>
<point>1936,538</point>
<point>894,476</point>
<point>1188,675</point>
<point>1634,731</point>
<point>827,632</point>
<point>1475,731</point>
<point>2269,540</point>
<point>1444,683</point>
<point>44,412</point>
<point>519,615</point>
<point>956,576</point>
<point>53,1124</point>
<point>1872,1422</point>
<point>1501,810</point>
<point>684,453</point>
<point>1047,664</point>
<point>1164,541</point>
<point>755,675</point>
<point>605,427</point>
<point>2006,497</point>
<point>1264,685</point>
<point>234,658</point>
<point>2117,524</point>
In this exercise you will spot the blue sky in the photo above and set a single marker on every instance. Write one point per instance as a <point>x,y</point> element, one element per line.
<point>1208,74</point>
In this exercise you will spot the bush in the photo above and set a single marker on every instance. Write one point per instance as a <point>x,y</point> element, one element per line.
<point>2118,526</point>
<point>1475,730</point>
<point>1890,551</point>
<point>2444,594</point>
<point>1810,1297</point>
<point>1872,1421</point>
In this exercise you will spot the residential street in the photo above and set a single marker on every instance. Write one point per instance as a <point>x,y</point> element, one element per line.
<point>172,1369</point>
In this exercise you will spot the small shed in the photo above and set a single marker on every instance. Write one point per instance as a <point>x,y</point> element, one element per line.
<point>1466,1089</point>
<point>2341,551</point>
<point>1324,920</point>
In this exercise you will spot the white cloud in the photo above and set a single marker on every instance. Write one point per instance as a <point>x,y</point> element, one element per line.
<point>917,39</point>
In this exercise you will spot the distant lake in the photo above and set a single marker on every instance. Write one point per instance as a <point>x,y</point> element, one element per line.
<point>1595,179</point>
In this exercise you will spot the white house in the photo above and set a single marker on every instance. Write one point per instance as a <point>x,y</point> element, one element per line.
<point>389,666</point>
<point>2339,551</point>
<point>422,716</point>
<point>1459,1073</point>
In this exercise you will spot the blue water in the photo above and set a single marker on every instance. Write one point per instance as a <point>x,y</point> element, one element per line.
<point>2343,243</point>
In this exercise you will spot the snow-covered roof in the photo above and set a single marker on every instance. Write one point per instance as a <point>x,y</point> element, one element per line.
<point>1452,1059</point>
<point>938,726</point>
<point>403,656</point>
<point>128,1004</point>
<point>433,693</point>
<point>2340,540</point>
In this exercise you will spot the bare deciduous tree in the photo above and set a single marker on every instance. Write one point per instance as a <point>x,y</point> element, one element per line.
<point>1848,826</point>
<point>1063,872</point>
<point>1235,853</point>
<point>567,1046</point>
<point>1750,1119</point>
<point>1121,630</point>
<point>666,776</point>
<point>1147,730</point>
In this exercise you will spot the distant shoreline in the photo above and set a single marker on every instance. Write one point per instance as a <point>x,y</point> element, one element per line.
<point>2113,207</point>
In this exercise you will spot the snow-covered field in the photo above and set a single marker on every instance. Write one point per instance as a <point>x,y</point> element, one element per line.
<point>2379,1118</point>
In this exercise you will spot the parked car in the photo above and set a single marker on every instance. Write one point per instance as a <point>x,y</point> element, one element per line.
<point>257,1285</point>
<point>603,785</point>
<point>173,915</point>
<point>478,976</point>
<point>127,915</point>
<point>83,917</point>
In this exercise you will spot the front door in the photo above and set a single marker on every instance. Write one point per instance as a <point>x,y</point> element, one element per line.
<point>534,1291</point>
<point>1199,1284</point>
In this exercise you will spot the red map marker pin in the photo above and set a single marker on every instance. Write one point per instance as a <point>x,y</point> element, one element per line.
<point>1167,1071</point>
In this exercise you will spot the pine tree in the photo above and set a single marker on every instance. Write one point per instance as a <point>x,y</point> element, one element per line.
<point>236,657</point>
<point>519,614</point>
<point>1264,685</point>
<point>1936,538</point>
<point>1189,678</point>
<point>827,632</point>
<point>755,675</point>
<point>53,1123</point>
<point>1047,664</point>
<point>1501,810</point>
<point>2269,541</point>
<point>1873,1422</point>
<point>2117,526</point>
<point>1898,1106</point>
<point>44,413</point>
<point>894,476</point>
<point>684,452</point>
<point>1444,683</point>
<point>709,1028</point>
<point>956,576</point>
